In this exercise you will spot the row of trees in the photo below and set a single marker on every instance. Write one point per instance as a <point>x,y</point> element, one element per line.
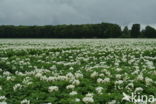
<point>136,32</point>
<point>103,30</point>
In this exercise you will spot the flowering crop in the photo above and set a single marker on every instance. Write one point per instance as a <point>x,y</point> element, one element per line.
<point>96,71</point>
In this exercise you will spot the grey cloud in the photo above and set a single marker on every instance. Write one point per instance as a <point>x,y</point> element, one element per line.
<point>46,12</point>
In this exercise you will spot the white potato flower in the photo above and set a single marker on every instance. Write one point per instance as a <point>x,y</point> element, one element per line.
<point>78,75</point>
<point>119,82</point>
<point>1,70</point>
<point>69,75</point>
<point>71,68</point>
<point>53,88</point>
<point>76,82</point>
<point>118,76</point>
<point>6,73</point>
<point>150,64</point>
<point>10,78</point>
<point>148,81</point>
<point>138,89</point>
<point>88,98</point>
<point>99,80</point>
<point>140,77</point>
<point>112,102</point>
<point>99,90</point>
<point>0,87</point>
<point>106,80</point>
<point>70,87</point>
<point>17,86</point>
<point>2,98</point>
<point>53,67</point>
<point>3,102</point>
<point>77,100</point>
<point>94,74</point>
<point>73,93</point>
<point>90,95</point>
<point>101,75</point>
<point>118,69</point>
<point>38,75</point>
<point>25,101</point>
<point>130,86</point>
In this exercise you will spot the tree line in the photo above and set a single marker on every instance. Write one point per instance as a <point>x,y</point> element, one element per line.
<point>102,30</point>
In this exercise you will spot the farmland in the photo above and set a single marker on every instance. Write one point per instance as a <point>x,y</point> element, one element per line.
<point>76,71</point>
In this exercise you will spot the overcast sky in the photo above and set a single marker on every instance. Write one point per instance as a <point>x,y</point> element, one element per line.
<point>53,12</point>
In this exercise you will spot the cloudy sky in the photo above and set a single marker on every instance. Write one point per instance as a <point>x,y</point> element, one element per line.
<point>53,12</point>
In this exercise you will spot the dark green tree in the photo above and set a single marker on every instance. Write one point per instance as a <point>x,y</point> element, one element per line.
<point>149,32</point>
<point>135,31</point>
<point>125,33</point>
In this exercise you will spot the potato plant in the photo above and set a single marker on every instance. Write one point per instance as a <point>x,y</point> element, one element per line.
<point>73,71</point>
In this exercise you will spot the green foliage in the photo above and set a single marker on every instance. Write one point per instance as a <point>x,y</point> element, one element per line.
<point>149,32</point>
<point>135,31</point>
<point>125,33</point>
<point>103,30</point>
<point>115,65</point>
